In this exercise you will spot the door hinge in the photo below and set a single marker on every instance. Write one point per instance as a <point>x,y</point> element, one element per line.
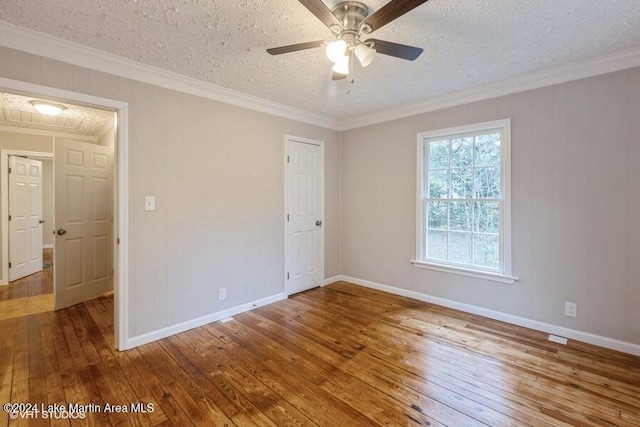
<point>9,217</point>
<point>9,170</point>
<point>9,265</point>
<point>288,161</point>
<point>287,273</point>
<point>117,241</point>
<point>287,217</point>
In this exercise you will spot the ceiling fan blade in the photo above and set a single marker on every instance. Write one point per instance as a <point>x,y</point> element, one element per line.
<point>390,11</point>
<point>401,51</point>
<point>322,12</point>
<point>295,47</point>
<point>338,76</point>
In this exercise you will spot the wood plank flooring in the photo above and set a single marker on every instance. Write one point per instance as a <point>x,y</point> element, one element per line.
<point>26,306</point>
<point>30,295</point>
<point>40,283</point>
<point>342,355</point>
<point>37,284</point>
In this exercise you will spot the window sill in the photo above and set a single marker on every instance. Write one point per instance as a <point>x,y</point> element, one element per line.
<point>496,277</point>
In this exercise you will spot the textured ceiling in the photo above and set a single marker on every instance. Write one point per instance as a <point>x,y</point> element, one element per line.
<point>16,111</point>
<point>467,43</point>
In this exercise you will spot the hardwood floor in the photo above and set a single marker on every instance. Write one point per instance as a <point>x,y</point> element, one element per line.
<point>37,284</point>
<point>336,356</point>
<point>12,308</point>
<point>30,295</point>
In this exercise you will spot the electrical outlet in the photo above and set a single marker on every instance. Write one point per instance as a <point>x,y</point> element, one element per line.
<point>222,293</point>
<point>570,309</point>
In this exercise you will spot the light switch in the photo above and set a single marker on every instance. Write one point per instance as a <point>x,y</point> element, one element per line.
<point>149,203</point>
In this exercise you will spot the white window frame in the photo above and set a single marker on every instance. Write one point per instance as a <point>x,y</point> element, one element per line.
<point>503,273</point>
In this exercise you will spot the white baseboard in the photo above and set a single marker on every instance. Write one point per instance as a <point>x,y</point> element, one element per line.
<point>200,321</point>
<point>585,337</point>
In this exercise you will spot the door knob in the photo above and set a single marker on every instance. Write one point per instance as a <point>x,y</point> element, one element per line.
<point>61,232</point>
<point>41,221</point>
<point>319,223</point>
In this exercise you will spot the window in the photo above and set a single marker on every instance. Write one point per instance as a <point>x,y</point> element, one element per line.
<point>464,210</point>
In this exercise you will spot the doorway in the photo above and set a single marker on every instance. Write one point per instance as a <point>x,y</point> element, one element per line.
<point>119,207</point>
<point>304,214</point>
<point>31,289</point>
<point>26,205</point>
<point>83,189</point>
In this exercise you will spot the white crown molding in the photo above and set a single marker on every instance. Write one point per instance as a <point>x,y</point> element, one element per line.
<point>40,44</point>
<point>578,70</point>
<point>44,45</point>
<point>54,134</point>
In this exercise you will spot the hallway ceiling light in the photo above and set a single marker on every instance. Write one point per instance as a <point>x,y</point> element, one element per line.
<point>48,108</point>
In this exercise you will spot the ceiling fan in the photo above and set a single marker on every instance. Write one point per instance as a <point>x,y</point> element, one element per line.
<point>350,22</point>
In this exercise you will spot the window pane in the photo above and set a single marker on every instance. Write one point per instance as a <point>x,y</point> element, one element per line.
<point>487,183</point>
<point>437,245</point>
<point>460,216</point>
<point>486,217</point>
<point>485,250</point>
<point>462,196</point>
<point>439,184</point>
<point>438,154</point>
<point>461,183</point>
<point>487,150</point>
<point>460,248</point>
<point>437,216</point>
<point>462,152</point>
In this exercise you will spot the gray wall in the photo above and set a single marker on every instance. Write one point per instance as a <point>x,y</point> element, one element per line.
<point>217,172</point>
<point>575,205</point>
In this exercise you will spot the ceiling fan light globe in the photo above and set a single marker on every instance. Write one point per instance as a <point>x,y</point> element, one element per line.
<point>336,50</point>
<point>365,54</point>
<point>341,66</point>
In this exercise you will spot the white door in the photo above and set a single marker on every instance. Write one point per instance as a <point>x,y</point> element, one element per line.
<point>83,216</point>
<point>305,211</point>
<point>25,214</point>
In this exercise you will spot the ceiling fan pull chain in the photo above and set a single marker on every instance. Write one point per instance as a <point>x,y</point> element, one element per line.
<point>350,79</point>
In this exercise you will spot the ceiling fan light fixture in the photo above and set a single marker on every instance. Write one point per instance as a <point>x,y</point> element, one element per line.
<point>350,21</point>
<point>341,66</point>
<point>336,50</point>
<point>48,108</point>
<point>365,54</point>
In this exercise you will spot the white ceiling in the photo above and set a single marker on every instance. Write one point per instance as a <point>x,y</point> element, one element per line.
<point>467,43</point>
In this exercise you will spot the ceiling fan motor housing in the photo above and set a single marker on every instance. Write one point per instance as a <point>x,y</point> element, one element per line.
<point>350,14</point>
